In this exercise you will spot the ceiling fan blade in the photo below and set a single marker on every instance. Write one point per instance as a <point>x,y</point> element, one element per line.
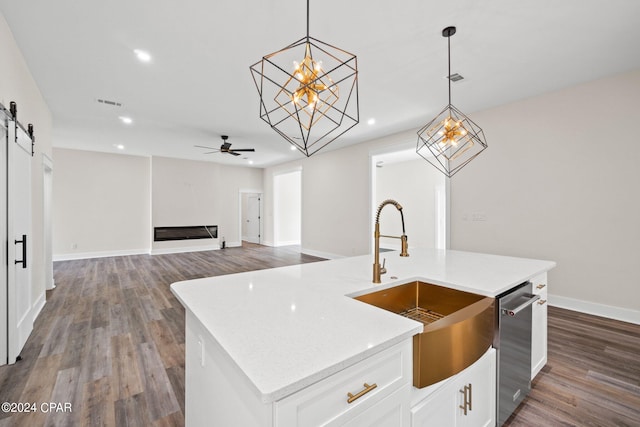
<point>233,153</point>
<point>212,152</point>
<point>245,149</point>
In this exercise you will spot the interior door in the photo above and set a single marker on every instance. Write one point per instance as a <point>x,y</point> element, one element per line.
<point>253,218</point>
<point>19,298</point>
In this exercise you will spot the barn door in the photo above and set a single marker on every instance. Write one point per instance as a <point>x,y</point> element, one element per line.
<point>19,235</point>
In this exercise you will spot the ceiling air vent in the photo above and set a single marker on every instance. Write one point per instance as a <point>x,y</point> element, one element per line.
<point>107,102</point>
<point>455,77</point>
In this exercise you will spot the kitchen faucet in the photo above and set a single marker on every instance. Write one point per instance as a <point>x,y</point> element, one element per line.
<point>377,269</point>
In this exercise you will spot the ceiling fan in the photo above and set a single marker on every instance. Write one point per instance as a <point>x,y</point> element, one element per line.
<point>226,148</point>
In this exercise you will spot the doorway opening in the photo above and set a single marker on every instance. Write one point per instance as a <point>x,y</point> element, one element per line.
<point>423,191</point>
<point>287,208</point>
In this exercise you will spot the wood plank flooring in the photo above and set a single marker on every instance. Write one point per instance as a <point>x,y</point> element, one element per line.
<point>110,341</point>
<point>592,376</point>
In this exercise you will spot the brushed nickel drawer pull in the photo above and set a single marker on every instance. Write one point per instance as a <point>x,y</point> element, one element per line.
<point>367,389</point>
<point>542,302</point>
<point>541,286</point>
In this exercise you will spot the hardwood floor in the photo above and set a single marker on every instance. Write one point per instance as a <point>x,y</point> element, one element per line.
<point>592,376</point>
<point>110,342</point>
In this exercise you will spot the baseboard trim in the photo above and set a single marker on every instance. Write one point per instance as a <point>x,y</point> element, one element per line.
<point>38,306</point>
<point>167,251</point>
<point>102,254</point>
<point>289,243</point>
<point>608,311</point>
<point>320,254</point>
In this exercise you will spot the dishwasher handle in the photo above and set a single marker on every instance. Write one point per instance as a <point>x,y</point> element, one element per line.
<point>518,309</point>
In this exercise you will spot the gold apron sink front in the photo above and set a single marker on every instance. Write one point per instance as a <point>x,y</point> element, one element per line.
<point>458,326</point>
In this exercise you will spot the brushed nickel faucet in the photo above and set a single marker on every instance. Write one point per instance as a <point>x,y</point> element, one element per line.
<point>377,268</point>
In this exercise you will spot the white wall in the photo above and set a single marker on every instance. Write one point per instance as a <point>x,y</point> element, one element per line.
<point>287,208</point>
<point>101,204</point>
<point>336,196</point>
<point>184,193</point>
<point>413,185</point>
<point>107,204</point>
<point>561,181</point>
<point>187,192</point>
<point>17,84</point>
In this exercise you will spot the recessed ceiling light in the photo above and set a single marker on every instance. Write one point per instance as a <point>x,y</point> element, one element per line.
<point>119,146</point>
<point>293,148</point>
<point>142,55</point>
<point>250,162</point>
<point>126,120</point>
<point>371,121</point>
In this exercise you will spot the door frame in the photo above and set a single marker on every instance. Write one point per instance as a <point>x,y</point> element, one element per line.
<point>4,285</point>
<point>47,205</point>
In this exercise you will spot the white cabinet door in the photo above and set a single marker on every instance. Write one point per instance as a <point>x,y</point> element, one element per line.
<point>19,297</point>
<point>476,394</point>
<point>436,410</point>
<point>539,326</point>
<point>446,406</point>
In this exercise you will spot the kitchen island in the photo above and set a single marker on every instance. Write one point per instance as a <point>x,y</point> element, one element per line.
<point>257,341</point>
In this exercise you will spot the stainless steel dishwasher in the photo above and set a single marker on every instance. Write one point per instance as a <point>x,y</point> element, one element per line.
<point>513,343</point>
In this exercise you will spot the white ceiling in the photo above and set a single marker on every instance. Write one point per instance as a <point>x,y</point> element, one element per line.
<point>199,87</point>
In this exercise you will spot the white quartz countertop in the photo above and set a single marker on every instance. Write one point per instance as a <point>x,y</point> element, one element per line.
<point>286,328</point>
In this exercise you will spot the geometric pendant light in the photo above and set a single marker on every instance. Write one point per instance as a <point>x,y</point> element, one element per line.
<point>308,92</point>
<point>451,139</point>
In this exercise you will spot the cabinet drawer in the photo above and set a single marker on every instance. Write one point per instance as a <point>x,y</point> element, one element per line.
<point>540,284</point>
<point>326,402</point>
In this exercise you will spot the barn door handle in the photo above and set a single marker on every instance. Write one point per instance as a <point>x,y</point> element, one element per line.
<point>22,261</point>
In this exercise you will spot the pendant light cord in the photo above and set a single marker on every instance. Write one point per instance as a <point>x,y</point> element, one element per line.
<point>307,19</point>
<point>449,56</point>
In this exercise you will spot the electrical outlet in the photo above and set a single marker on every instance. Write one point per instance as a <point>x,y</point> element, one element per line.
<point>74,246</point>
